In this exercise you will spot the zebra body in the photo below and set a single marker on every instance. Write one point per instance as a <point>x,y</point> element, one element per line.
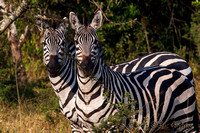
<point>168,59</point>
<point>163,95</point>
<point>62,71</point>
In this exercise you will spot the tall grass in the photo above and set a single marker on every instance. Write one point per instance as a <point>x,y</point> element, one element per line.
<point>32,120</point>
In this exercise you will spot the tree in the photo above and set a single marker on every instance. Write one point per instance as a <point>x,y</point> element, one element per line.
<point>9,16</point>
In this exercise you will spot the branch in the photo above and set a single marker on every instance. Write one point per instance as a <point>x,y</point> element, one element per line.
<point>8,20</point>
<point>2,6</point>
<point>12,34</point>
<point>146,36</point>
<point>118,23</point>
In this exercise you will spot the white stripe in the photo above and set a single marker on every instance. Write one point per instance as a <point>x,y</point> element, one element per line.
<point>186,71</point>
<point>155,58</point>
<point>187,110</point>
<point>182,98</point>
<point>140,113</point>
<point>171,61</point>
<point>145,84</point>
<point>147,117</point>
<point>168,96</point>
<point>135,67</point>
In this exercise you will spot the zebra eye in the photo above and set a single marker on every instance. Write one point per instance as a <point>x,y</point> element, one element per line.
<point>95,47</point>
<point>95,42</point>
<point>44,44</point>
<point>76,42</point>
<point>77,48</point>
<point>62,44</point>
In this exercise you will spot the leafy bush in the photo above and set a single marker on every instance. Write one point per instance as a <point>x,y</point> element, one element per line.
<point>122,120</point>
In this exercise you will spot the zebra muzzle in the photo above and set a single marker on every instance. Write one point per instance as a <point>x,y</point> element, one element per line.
<point>86,66</point>
<point>53,66</point>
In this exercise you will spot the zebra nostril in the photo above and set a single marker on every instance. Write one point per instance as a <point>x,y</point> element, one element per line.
<point>47,65</point>
<point>53,66</point>
<point>87,65</point>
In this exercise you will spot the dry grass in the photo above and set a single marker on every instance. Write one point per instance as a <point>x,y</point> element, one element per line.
<point>197,89</point>
<point>32,121</point>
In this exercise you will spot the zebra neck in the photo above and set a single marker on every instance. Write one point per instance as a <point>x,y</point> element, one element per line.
<point>105,77</point>
<point>86,83</point>
<point>97,84</point>
<point>91,103</point>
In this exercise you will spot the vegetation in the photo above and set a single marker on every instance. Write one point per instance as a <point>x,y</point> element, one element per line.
<point>131,29</point>
<point>120,121</point>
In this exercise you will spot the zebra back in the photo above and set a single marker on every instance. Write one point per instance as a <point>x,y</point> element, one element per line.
<point>165,59</point>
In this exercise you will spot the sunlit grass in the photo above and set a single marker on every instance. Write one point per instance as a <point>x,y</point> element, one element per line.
<point>31,120</point>
<point>197,89</point>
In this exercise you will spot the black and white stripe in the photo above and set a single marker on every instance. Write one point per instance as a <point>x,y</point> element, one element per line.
<point>58,58</point>
<point>163,95</point>
<point>168,59</point>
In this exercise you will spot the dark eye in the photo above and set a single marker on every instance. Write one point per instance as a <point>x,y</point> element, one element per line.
<point>43,43</point>
<point>63,43</point>
<point>95,42</point>
<point>76,42</point>
<point>95,47</point>
<point>77,48</point>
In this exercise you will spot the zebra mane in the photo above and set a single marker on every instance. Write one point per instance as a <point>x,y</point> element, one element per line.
<point>101,54</point>
<point>85,18</point>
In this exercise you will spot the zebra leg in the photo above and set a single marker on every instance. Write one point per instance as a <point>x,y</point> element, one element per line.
<point>75,128</point>
<point>188,123</point>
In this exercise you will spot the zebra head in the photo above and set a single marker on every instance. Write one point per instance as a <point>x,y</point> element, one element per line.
<point>86,41</point>
<point>54,48</point>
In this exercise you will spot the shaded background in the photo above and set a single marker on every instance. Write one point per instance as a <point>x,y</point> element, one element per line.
<point>131,28</point>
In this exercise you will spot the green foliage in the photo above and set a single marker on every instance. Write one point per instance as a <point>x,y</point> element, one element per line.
<point>121,120</point>
<point>196,3</point>
<point>194,32</point>
<point>33,59</point>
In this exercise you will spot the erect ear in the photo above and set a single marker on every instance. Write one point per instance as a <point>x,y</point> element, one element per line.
<point>63,26</point>
<point>74,21</point>
<point>97,20</point>
<point>65,22</point>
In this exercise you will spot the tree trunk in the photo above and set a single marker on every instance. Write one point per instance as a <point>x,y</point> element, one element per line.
<point>9,16</point>
<point>16,45</point>
<point>146,36</point>
<point>198,41</point>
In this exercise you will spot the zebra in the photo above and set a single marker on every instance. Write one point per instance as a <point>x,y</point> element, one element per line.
<point>58,59</point>
<point>163,95</point>
<point>62,77</point>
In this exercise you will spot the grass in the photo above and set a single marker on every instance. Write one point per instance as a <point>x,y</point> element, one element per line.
<point>197,89</point>
<point>38,114</point>
<point>30,119</point>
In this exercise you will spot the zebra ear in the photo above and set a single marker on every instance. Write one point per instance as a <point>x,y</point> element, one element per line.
<point>65,22</point>
<point>74,21</point>
<point>97,20</point>
<point>63,26</point>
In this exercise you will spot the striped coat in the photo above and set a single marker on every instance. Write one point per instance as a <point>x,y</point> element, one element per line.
<point>163,95</point>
